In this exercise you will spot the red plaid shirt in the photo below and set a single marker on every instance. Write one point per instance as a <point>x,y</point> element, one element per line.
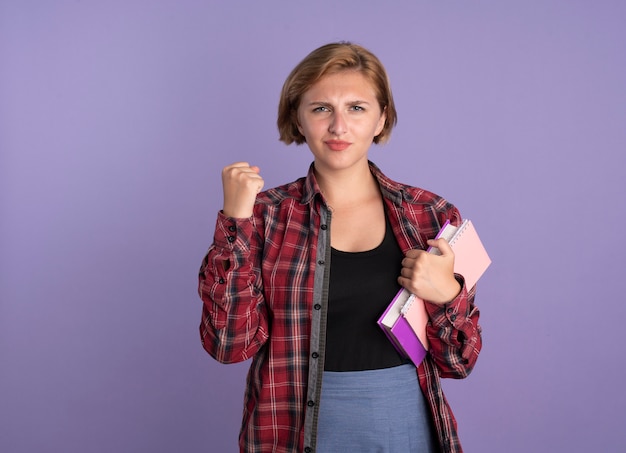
<point>264,284</point>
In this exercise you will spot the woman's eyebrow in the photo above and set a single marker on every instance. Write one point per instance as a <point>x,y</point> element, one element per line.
<point>356,101</point>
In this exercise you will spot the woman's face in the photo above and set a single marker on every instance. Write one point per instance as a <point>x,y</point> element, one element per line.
<point>339,116</point>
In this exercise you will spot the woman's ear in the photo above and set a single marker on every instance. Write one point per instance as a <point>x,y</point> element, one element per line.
<point>298,124</point>
<point>381,122</point>
<point>296,120</point>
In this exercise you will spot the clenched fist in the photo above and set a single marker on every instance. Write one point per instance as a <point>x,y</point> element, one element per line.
<point>241,182</point>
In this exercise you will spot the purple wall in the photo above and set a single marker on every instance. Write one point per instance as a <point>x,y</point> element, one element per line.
<point>116,118</point>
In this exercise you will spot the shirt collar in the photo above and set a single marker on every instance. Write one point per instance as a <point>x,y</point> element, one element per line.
<point>311,188</point>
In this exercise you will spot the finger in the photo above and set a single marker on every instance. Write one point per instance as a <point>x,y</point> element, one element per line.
<point>235,165</point>
<point>406,272</point>
<point>442,245</point>
<point>252,180</point>
<point>413,253</point>
<point>239,172</point>
<point>244,167</point>
<point>407,283</point>
<point>254,170</point>
<point>248,171</point>
<point>238,164</point>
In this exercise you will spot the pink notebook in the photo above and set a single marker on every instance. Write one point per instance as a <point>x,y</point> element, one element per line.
<point>470,260</point>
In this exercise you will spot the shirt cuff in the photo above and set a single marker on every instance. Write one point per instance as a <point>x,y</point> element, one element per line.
<point>232,233</point>
<point>452,312</point>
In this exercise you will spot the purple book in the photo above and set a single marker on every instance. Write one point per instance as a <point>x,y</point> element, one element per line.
<point>399,331</point>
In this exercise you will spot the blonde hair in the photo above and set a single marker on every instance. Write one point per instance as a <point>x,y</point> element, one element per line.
<point>330,59</point>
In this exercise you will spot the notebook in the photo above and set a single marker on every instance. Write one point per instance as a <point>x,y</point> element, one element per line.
<point>470,260</point>
<point>400,332</point>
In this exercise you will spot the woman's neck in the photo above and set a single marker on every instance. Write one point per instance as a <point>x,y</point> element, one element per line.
<point>347,187</point>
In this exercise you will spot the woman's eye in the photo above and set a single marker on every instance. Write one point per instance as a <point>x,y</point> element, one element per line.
<point>320,109</point>
<point>357,108</point>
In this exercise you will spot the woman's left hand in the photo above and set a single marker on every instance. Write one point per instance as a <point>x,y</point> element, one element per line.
<point>430,277</point>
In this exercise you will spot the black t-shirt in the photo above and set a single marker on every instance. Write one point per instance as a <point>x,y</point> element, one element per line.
<point>362,284</point>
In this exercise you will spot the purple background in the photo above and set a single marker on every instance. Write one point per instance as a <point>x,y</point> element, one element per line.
<point>116,118</point>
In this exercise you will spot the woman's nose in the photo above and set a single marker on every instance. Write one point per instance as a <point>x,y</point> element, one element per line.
<point>338,125</point>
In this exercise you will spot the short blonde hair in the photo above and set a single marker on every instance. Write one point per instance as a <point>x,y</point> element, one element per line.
<point>330,59</point>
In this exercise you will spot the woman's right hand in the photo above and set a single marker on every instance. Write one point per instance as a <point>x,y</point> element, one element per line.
<point>241,183</point>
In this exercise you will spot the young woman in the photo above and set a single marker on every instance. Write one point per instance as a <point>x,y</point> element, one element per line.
<point>298,275</point>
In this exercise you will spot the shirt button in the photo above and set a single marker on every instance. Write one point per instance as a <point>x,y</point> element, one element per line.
<point>317,306</point>
<point>324,226</point>
<point>315,355</point>
<point>231,238</point>
<point>449,310</point>
<point>453,318</point>
<point>308,450</point>
<point>221,281</point>
<point>232,228</point>
<point>310,403</point>
<point>320,262</point>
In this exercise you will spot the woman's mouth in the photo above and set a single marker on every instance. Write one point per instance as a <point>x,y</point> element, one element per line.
<point>337,145</point>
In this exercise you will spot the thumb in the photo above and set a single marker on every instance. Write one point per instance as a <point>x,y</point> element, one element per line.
<point>442,245</point>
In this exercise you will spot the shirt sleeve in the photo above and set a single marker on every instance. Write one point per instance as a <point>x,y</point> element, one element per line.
<point>234,316</point>
<point>454,334</point>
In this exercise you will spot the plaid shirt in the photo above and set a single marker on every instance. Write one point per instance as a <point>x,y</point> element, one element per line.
<point>264,284</point>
